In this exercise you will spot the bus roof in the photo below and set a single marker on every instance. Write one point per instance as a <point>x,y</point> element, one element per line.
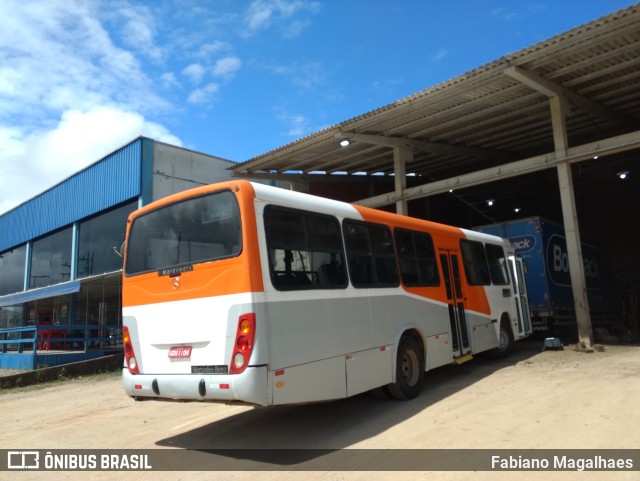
<point>301,200</point>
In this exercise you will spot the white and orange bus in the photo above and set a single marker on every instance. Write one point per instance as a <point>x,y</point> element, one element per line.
<point>241,292</point>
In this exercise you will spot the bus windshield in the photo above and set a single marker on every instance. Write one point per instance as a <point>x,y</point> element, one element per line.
<point>196,230</point>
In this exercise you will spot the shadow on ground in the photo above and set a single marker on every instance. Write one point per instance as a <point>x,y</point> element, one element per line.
<point>290,435</point>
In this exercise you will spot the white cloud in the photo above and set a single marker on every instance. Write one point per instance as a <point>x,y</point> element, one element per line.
<point>503,14</point>
<point>297,124</point>
<point>67,60</point>
<point>68,94</point>
<point>261,14</point>
<point>203,95</point>
<point>295,28</point>
<point>307,76</point>
<point>209,49</point>
<point>32,163</point>
<point>137,28</point>
<point>226,67</point>
<point>258,15</point>
<point>169,80</point>
<point>80,135</point>
<point>194,72</point>
<point>11,145</point>
<point>440,55</point>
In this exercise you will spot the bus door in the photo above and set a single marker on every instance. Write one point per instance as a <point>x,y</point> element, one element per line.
<point>450,263</point>
<point>520,289</point>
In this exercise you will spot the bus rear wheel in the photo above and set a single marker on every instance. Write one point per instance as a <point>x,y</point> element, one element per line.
<point>409,370</point>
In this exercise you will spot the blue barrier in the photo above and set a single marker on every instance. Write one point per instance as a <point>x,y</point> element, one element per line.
<point>44,336</point>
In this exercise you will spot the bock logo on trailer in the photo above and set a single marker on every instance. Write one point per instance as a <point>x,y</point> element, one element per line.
<point>523,244</point>
<point>558,263</point>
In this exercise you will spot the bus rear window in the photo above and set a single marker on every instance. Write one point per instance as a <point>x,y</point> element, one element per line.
<point>193,231</point>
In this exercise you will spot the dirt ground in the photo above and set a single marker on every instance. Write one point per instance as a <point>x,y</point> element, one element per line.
<point>533,400</point>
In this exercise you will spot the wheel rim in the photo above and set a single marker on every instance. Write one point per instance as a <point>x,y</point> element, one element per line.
<point>410,368</point>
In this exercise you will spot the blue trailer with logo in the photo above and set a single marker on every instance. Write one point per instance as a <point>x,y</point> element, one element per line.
<point>543,247</point>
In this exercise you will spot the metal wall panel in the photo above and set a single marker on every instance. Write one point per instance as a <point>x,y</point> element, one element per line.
<point>110,181</point>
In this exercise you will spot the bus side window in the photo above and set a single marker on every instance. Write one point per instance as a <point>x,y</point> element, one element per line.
<point>497,264</point>
<point>417,258</point>
<point>305,250</point>
<point>372,260</point>
<point>475,263</point>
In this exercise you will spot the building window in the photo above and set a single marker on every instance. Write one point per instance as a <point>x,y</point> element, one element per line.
<point>98,302</point>
<point>12,316</point>
<point>88,319</point>
<point>51,259</point>
<point>99,241</point>
<point>12,270</point>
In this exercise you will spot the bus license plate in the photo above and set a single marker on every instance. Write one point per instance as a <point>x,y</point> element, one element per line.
<point>180,352</point>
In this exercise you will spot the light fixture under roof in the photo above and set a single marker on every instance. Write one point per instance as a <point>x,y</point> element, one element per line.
<point>345,143</point>
<point>623,175</point>
<point>490,202</point>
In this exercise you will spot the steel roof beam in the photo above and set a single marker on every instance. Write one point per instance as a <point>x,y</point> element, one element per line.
<point>579,153</point>
<point>415,145</point>
<point>552,89</point>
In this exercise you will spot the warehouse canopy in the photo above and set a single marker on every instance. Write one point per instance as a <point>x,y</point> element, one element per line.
<point>494,122</point>
<point>522,127</point>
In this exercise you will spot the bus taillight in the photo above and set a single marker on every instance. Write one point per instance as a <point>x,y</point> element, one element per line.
<point>245,336</point>
<point>129,355</point>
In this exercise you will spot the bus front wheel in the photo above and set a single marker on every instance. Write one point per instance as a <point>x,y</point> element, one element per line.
<point>409,370</point>
<point>505,342</point>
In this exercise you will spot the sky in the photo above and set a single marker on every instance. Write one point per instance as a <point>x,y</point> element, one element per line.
<point>231,78</point>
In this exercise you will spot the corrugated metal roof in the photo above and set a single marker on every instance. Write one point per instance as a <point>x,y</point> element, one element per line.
<point>596,64</point>
<point>106,183</point>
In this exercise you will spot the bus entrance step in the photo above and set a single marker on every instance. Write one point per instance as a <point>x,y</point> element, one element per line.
<point>463,359</point>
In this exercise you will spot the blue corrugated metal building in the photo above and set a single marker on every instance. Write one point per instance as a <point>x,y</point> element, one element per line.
<point>59,264</point>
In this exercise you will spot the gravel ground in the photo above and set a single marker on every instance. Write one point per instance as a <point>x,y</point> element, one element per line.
<point>533,400</point>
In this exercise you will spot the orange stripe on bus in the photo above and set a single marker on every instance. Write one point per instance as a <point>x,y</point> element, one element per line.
<point>444,237</point>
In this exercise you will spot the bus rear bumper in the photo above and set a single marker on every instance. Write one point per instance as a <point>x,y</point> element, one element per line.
<point>249,387</point>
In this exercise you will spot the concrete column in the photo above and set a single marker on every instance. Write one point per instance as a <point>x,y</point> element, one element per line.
<point>400,159</point>
<point>559,108</point>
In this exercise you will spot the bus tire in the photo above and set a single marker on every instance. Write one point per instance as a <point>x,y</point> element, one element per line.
<point>409,370</point>
<point>505,342</point>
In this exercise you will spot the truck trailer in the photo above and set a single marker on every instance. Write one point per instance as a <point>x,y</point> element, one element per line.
<point>543,247</point>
